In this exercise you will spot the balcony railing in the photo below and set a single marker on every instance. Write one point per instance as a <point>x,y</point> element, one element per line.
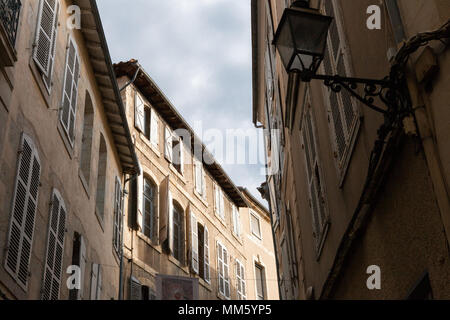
<point>9,17</point>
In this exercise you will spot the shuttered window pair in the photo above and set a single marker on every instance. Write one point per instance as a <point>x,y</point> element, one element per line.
<point>200,178</point>
<point>45,42</point>
<point>240,279</point>
<point>317,200</point>
<point>25,202</point>
<point>70,91</point>
<point>342,107</point>
<point>236,221</point>
<point>146,120</point>
<point>219,202</point>
<point>199,249</point>
<point>223,270</point>
<point>140,292</point>
<point>55,248</point>
<point>118,217</point>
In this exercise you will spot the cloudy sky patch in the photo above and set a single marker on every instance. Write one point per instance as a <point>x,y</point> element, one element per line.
<point>199,54</point>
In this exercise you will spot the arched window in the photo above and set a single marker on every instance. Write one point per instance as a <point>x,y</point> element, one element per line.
<point>149,209</point>
<point>86,142</point>
<point>178,232</point>
<point>101,178</point>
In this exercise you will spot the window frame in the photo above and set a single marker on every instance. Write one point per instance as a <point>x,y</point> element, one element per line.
<point>257,218</point>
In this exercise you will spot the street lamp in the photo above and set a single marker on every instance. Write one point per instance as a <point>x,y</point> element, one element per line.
<point>301,40</point>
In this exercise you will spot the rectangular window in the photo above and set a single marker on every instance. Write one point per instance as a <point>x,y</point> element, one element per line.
<point>317,200</point>
<point>203,252</point>
<point>118,217</point>
<point>341,106</point>
<point>200,178</point>
<point>255,225</point>
<point>240,279</point>
<point>79,259</point>
<point>223,270</point>
<point>194,244</point>
<point>260,282</point>
<point>178,154</point>
<point>55,248</point>
<point>219,203</point>
<point>25,202</point>
<point>70,91</point>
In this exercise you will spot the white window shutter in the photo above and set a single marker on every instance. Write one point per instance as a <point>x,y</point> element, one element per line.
<point>181,155</point>
<point>70,92</point>
<point>45,34</point>
<point>206,255</point>
<point>135,289</point>
<point>244,292</point>
<point>226,273</point>
<point>82,265</point>
<point>194,243</point>
<point>25,201</point>
<point>203,182</point>
<point>55,248</point>
<point>220,268</point>
<point>216,198</point>
<point>49,76</point>
<point>139,112</point>
<point>170,215</point>
<point>154,127</point>
<point>168,139</point>
<point>222,204</point>
<point>140,202</point>
<point>94,281</point>
<point>196,176</point>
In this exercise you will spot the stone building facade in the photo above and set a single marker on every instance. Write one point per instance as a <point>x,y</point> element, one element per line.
<point>185,219</point>
<point>65,150</point>
<point>332,225</point>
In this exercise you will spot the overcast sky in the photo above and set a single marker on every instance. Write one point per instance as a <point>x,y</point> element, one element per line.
<point>199,54</point>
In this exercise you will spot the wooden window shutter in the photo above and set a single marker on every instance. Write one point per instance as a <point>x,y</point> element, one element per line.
<point>236,221</point>
<point>96,282</point>
<point>203,182</point>
<point>70,92</point>
<point>139,112</point>
<point>222,204</point>
<point>55,248</point>
<point>168,140</point>
<point>140,202</point>
<point>170,235</point>
<point>220,268</point>
<point>117,235</point>
<point>25,201</point>
<point>226,273</point>
<point>216,198</point>
<point>45,35</point>
<point>48,77</point>
<point>194,244</point>
<point>135,289</point>
<point>206,255</point>
<point>154,127</point>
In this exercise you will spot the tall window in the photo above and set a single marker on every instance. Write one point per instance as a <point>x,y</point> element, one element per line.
<point>70,92</point>
<point>96,282</point>
<point>240,279</point>
<point>203,252</point>
<point>317,201</point>
<point>25,202</point>
<point>147,115</point>
<point>118,218</point>
<point>79,260</point>
<point>149,209</point>
<point>200,178</point>
<point>260,282</point>
<point>342,107</point>
<point>86,142</point>
<point>45,42</point>
<point>219,204</point>
<point>55,248</point>
<point>101,177</point>
<point>173,149</point>
<point>223,270</point>
<point>255,225</point>
<point>177,230</point>
<point>146,120</point>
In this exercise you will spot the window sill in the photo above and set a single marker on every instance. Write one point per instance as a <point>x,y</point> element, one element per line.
<point>100,220</point>
<point>204,284</point>
<point>149,242</point>
<point>221,220</point>
<point>150,145</point>
<point>322,242</point>
<point>238,238</point>
<point>200,197</point>
<point>178,174</point>
<point>222,297</point>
